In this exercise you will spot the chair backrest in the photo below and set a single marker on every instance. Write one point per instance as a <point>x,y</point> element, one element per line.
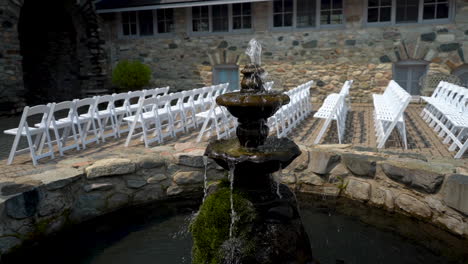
<point>397,98</point>
<point>66,105</point>
<point>156,92</point>
<point>120,99</point>
<point>134,97</point>
<point>104,102</point>
<point>85,105</point>
<point>44,110</point>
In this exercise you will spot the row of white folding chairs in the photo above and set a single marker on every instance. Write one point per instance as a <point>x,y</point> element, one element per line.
<point>166,116</point>
<point>216,119</point>
<point>335,107</point>
<point>93,115</point>
<point>447,112</point>
<point>290,115</point>
<point>389,109</point>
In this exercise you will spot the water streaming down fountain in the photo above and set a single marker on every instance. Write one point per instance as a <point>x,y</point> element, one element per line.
<point>269,228</point>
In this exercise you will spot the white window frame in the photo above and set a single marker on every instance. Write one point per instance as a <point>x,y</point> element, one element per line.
<point>210,22</point>
<point>393,22</point>
<point>155,26</point>
<point>318,25</point>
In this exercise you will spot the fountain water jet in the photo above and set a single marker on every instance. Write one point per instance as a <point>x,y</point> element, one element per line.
<point>267,228</point>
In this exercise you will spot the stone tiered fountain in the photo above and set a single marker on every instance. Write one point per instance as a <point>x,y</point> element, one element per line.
<point>265,226</point>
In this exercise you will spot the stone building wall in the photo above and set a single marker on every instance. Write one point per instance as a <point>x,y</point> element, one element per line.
<point>328,56</point>
<point>91,73</point>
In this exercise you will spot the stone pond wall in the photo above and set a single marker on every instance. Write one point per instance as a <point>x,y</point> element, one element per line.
<point>91,62</point>
<point>328,56</point>
<point>80,189</point>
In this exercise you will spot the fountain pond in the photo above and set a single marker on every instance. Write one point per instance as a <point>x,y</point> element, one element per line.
<point>341,232</point>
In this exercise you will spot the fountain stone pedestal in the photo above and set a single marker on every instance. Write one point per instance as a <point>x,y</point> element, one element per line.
<point>275,233</point>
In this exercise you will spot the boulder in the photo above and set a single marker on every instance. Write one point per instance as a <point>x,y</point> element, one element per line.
<point>193,158</point>
<point>361,165</point>
<point>87,206</point>
<point>136,183</point>
<point>413,206</point>
<point>156,178</point>
<point>359,190</point>
<point>321,161</point>
<point>150,194</point>
<point>8,243</point>
<point>52,203</point>
<point>419,175</point>
<point>23,205</point>
<point>451,223</point>
<point>301,163</point>
<point>117,200</point>
<point>174,190</point>
<point>310,178</point>
<point>382,197</point>
<point>455,192</point>
<point>330,191</point>
<point>188,177</point>
<point>151,161</point>
<point>110,167</point>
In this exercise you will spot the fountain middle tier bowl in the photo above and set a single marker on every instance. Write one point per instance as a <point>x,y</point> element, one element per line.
<point>268,158</point>
<point>253,105</point>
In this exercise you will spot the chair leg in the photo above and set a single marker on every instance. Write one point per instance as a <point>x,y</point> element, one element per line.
<point>14,147</point>
<point>31,149</point>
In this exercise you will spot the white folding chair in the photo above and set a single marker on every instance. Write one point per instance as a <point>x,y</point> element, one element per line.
<point>24,130</point>
<point>216,118</point>
<point>133,101</point>
<point>176,112</point>
<point>104,116</point>
<point>189,109</point>
<point>86,120</point>
<point>65,125</point>
<point>119,111</point>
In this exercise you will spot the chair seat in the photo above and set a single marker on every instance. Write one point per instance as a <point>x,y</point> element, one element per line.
<point>32,131</point>
<point>120,110</point>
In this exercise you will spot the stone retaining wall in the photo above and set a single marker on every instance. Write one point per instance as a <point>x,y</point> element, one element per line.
<point>75,191</point>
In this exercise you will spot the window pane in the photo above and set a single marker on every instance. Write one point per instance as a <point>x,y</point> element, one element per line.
<point>247,22</point>
<point>385,2</point>
<point>146,22</point>
<point>336,17</point>
<point>236,9</point>
<point>429,12</point>
<point>200,25</point>
<point>373,3</point>
<point>385,14</point>
<point>325,4</point>
<point>220,18</point>
<point>325,17</point>
<point>133,29</point>
<point>443,10</point>
<point>288,20</point>
<point>237,22</point>
<point>337,4</point>
<point>196,12</point>
<point>125,29</point>
<point>246,8</point>
<point>429,1</point>
<point>204,11</point>
<point>278,6</point>
<point>407,11</point>
<point>288,5</point>
<point>278,20</point>
<point>306,13</point>
<point>373,15</point>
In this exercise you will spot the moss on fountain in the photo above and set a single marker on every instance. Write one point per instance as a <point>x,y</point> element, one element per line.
<point>211,226</point>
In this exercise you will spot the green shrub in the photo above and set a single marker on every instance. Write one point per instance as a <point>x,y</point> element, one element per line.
<point>131,75</point>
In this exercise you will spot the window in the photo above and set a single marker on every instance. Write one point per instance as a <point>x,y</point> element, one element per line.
<point>408,73</point>
<point>307,13</point>
<point>221,18</point>
<point>129,23</point>
<point>142,23</point>
<point>200,19</point>
<point>241,16</point>
<point>407,11</point>
<point>282,13</point>
<point>165,18</point>
<point>331,12</point>
<point>227,74</point>
<point>379,11</point>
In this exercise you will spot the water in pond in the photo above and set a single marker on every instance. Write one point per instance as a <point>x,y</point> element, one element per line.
<point>158,234</point>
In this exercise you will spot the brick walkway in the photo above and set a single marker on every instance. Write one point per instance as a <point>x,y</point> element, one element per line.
<point>422,140</point>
